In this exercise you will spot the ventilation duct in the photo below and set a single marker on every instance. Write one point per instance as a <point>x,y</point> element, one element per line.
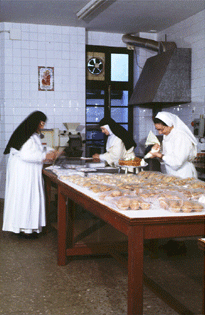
<point>165,79</point>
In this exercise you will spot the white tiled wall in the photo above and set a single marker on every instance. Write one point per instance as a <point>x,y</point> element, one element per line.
<point>60,47</point>
<point>189,33</point>
<point>105,39</point>
<point>54,46</point>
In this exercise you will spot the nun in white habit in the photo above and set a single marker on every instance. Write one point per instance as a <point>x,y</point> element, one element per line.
<point>24,206</point>
<point>179,146</point>
<point>119,145</point>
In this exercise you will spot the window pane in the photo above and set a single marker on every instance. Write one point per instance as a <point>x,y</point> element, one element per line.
<point>95,97</point>
<point>94,114</point>
<point>119,114</point>
<point>93,132</point>
<point>119,98</point>
<point>94,135</point>
<point>94,140</point>
<point>119,67</point>
<point>125,126</point>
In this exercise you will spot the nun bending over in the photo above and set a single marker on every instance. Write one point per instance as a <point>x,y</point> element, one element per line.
<point>24,205</point>
<point>179,146</point>
<point>119,145</point>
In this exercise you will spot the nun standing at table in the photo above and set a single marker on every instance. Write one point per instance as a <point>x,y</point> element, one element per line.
<point>119,145</point>
<point>179,146</point>
<point>24,206</point>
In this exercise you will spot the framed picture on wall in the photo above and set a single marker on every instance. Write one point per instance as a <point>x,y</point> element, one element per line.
<point>46,78</point>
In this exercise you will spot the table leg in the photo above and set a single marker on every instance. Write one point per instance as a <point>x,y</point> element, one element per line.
<point>61,227</point>
<point>135,270</point>
<point>203,307</point>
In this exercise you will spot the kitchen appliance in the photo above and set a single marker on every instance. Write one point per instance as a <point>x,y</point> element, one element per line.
<point>199,127</point>
<point>69,140</point>
<point>50,137</point>
<point>199,164</point>
<point>75,142</point>
<point>165,79</point>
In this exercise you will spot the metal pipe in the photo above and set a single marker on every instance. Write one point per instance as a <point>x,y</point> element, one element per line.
<point>148,43</point>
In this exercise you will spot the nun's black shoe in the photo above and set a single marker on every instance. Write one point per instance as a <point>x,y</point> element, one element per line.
<point>28,236</point>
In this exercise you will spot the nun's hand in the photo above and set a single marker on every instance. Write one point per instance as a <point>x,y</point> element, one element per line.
<point>156,147</point>
<point>155,151</point>
<point>96,157</point>
<point>157,154</point>
<point>51,155</point>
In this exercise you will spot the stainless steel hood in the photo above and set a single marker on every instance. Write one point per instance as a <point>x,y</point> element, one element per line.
<point>165,79</point>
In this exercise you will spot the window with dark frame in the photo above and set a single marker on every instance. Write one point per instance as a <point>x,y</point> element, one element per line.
<point>109,85</point>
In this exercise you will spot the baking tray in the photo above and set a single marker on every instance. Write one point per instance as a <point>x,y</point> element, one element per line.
<point>132,169</point>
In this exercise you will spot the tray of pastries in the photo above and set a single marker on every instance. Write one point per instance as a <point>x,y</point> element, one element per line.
<point>132,165</point>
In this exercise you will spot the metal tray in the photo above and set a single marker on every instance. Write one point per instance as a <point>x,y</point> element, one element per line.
<point>135,169</point>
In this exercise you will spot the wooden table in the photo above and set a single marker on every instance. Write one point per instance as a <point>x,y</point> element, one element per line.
<point>137,227</point>
<point>201,243</point>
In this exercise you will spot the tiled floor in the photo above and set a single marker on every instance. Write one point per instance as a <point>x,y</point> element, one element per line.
<point>32,283</point>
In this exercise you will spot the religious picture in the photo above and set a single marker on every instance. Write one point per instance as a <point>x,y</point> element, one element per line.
<point>46,78</point>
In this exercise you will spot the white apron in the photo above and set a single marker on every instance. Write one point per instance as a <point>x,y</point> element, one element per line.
<point>117,152</point>
<point>24,206</point>
<point>179,152</point>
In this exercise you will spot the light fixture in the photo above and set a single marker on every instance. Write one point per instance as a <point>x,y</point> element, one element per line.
<point>93,8</point>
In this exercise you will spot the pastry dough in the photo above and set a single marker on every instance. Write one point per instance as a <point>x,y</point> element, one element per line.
<point>116,193</point>
<point>175,205</point>
<point>123,203</point>
<point>145,205</point>
<point>189,206</point>
<point>164,204</point>
<point>134,204</point>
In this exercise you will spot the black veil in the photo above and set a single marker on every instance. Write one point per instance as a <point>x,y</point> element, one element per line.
<point>25,130</point>
<point>119,131</point>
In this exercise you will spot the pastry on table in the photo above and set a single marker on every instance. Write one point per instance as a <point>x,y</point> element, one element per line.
<point>134,162</point>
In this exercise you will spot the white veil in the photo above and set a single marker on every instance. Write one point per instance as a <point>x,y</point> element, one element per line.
<point>176,122</point>
<point>111,138</point>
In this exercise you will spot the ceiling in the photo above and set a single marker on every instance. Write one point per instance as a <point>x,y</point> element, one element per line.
<point>122,16</point>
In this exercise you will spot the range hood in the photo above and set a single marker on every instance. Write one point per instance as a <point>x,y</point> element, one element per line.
<point>165,79</point>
